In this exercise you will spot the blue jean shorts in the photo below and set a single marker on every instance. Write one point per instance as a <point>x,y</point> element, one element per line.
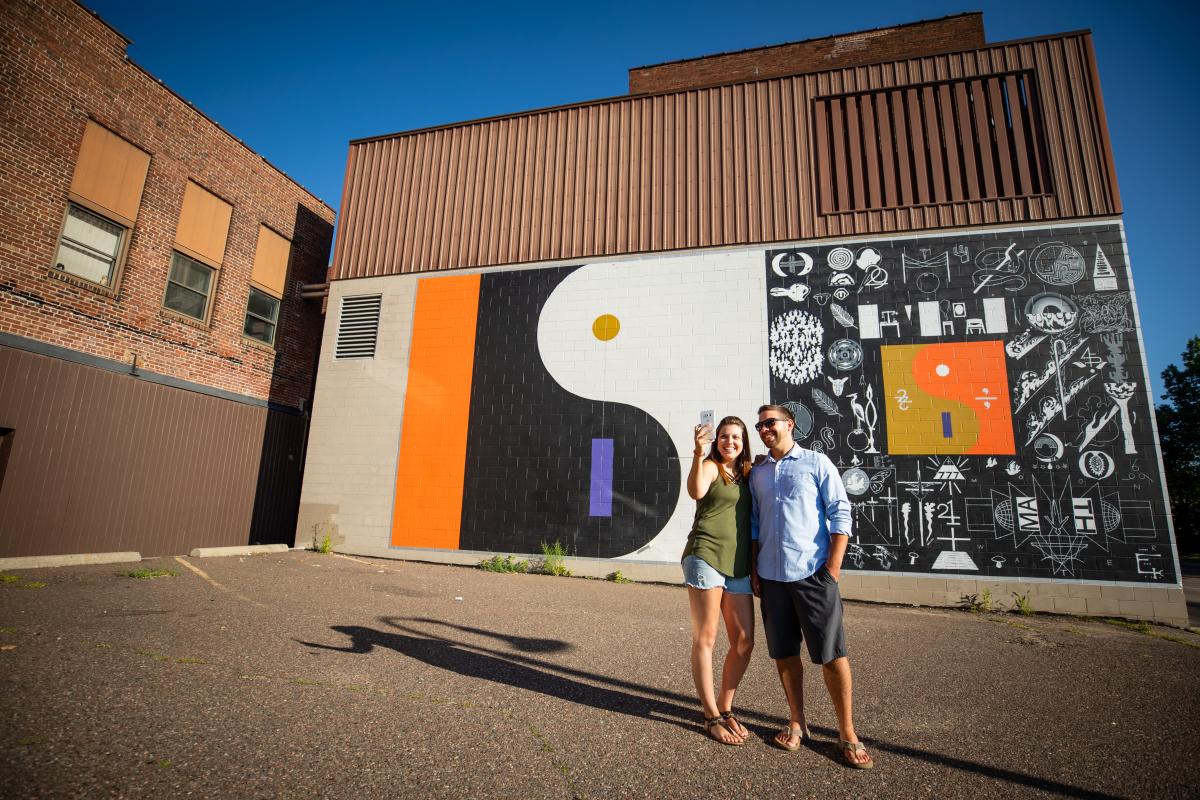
<point>699,575</point>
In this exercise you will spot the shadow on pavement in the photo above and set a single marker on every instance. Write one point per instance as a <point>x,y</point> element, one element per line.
<point>625,697</point>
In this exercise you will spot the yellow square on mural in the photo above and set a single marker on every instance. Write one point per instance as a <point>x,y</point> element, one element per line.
<point>947,399</point>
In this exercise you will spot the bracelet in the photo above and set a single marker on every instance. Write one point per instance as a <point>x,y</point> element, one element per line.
<point>698,453</point>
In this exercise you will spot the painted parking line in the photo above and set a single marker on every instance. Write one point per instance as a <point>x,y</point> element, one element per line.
<point>216,583</point>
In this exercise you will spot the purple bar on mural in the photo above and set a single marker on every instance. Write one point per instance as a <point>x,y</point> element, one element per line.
<point>947,430</point>
<point>602,470</point>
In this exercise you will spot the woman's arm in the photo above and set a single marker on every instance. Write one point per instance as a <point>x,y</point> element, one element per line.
<point>703,472</point>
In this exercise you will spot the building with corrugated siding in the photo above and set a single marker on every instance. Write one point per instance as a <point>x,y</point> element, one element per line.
<point>156,358</point>
<point>909,236</point>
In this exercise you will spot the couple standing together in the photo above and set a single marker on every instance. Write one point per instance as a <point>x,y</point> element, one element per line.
<point>777,530</point>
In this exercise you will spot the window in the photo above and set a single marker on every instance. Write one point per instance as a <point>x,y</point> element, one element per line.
<point>267,281</point>
<point>189,285</point>
<point>262,315</point>
<point>90,246</point>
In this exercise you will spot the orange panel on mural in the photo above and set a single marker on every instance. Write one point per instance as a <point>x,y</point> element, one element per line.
<point>947,398</point>
<point>437,405</point>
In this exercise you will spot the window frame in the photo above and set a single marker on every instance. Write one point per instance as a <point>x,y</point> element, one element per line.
<point>113,287</point>
<point>274,323</point>
<point>209,298</point>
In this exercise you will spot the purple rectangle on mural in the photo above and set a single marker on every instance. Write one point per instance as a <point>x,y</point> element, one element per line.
<point>602,471</point>
<point>947,428</point>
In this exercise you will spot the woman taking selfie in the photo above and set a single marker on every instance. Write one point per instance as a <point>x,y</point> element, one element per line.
<point>716,569</point>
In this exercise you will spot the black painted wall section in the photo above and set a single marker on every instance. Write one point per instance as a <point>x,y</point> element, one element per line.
<point>529,457</point>
<point>1003,428</point>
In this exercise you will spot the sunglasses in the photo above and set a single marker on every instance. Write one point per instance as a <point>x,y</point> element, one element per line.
<point>766,423</point>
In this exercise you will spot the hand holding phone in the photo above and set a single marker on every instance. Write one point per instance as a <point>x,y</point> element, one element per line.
<point>706,418</point>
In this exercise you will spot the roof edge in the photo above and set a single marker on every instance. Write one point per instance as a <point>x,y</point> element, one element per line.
<point>810,39</point>
<point>643,95</point>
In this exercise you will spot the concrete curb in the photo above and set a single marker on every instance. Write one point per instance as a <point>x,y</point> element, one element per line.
<point>75,559</point>
<point>239,550</point>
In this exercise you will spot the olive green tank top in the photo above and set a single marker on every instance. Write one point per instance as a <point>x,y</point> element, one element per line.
<point>721,531</point>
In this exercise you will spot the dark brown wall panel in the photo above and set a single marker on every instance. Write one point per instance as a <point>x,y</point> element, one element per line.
<point>741,164</point>
<point>103,462</point>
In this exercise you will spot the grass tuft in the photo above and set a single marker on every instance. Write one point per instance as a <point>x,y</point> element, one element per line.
<point>1022,605</point>
<point>9,579</point>
<point>504,564</point>
<point>553,561</point>
<point>617,577</point>
<point>34,585</point>
<point>146,573</point>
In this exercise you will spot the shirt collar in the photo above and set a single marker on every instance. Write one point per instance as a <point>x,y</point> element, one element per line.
<point>793,453</point>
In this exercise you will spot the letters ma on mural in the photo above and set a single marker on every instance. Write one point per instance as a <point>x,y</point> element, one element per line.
<point>982,395</point>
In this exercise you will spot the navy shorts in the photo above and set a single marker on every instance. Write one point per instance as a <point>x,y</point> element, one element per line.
<point>808,611</point>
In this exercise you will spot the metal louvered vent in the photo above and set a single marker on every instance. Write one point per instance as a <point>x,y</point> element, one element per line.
<point>358,327</point>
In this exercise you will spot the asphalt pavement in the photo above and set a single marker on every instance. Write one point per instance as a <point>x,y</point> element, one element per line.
<point>306,675</point>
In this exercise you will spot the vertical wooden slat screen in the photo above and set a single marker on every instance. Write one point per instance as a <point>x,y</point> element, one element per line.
<point>938,151</point>
<point>1005,133</point>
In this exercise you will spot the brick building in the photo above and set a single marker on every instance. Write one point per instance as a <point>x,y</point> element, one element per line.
<point>156,354</point>
<point>919,236</point>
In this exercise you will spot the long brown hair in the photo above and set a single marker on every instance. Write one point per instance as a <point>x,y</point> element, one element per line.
<point>741,465</point>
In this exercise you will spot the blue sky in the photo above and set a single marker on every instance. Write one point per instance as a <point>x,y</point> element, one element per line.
<point>296,81</point>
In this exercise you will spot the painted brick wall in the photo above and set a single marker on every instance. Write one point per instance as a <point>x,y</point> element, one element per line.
<point>62,66</point>
<point>947,35</point>
<point>983,393</point>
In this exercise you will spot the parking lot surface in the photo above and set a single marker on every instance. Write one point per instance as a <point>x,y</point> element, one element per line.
<point>309,675</point>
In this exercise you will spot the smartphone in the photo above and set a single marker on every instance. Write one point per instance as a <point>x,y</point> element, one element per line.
<point>706,418</point>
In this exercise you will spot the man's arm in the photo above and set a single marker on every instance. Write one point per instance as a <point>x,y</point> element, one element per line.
<point>837,513</point>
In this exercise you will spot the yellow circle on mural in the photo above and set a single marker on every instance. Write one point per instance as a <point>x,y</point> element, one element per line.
<point>606,327</point>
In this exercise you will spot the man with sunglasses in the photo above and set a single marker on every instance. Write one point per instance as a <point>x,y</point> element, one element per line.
<point>800,527</point>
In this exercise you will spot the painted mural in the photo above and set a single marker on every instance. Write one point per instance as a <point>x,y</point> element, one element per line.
<point>982,393</point>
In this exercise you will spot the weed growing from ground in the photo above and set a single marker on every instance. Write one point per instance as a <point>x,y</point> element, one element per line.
<point>34,585</point>
<point>9,579</point>
<point>1021,604</point>
<point>504,564</point>
<point>554,560</point>
<point>617,577</point>
<point>325,546</point>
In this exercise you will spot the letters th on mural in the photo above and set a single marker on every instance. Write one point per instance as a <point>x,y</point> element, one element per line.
<point>984,397</point>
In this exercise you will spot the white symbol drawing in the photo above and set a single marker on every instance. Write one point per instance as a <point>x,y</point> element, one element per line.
<point>962,253</point>
<point>842,316</point>
<point>841,293</point>
<point>1057,264</point>
<point>903,401</point>
<point>825,403</point>
<point>999,561</point>
<point>840,258</point>
<point>785,264</point>
<point>1096,464</point>
<point>999,268</point>
<point>1122,393</point>
<point>795,339</point>
<point>856,481</point>
<point>1052,313</point>
<point>865,414</point>
<point>1104,279</point>
<point>845,354</point>
<point>837,384</point>
<point>802,416</point>
<point>797,292</point>
<point>1145,567</point>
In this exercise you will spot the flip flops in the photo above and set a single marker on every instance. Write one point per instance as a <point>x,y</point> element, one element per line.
<point>781,739</point>
<point>709,722</point>
<point>851,749</point>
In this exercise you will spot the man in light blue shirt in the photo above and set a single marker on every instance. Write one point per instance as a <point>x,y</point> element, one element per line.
<point>800,526</point>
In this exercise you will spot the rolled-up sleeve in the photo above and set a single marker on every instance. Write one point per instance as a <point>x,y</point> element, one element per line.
<point>833,494</point>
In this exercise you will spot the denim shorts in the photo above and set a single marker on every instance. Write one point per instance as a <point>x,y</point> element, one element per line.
<point>699,575</point>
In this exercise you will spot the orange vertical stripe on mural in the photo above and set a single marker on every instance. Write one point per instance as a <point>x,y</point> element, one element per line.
<point>437,405</point>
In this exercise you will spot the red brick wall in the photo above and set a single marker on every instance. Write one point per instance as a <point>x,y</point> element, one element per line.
<point>62,65</point>
<point>962,32</point>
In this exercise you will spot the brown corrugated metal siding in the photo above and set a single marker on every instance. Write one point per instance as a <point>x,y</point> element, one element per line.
<point>102,462</point>
<point>729,165</point>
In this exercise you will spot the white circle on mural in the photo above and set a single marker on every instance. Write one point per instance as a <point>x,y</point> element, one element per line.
<point>1096,464</point>
<point>857,482</point>
<point>840,258</point>
<point>942,370</point>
